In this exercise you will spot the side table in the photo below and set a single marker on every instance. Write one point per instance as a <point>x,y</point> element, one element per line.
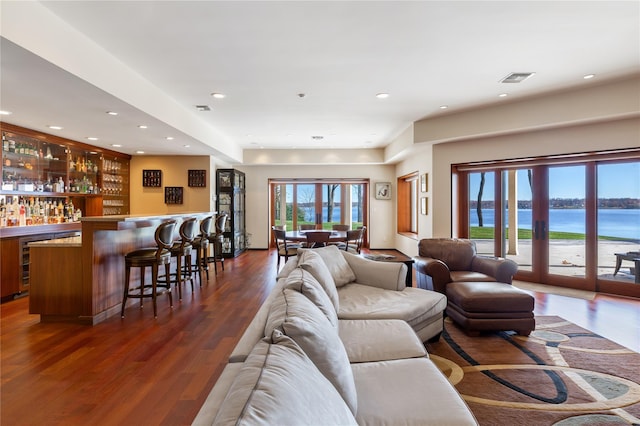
<point>395,257</point>
<point>632,256</point>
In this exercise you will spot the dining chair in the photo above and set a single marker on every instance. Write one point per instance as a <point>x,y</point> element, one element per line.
<point>306,227</point>
<point>340,227</point>
<point>317,239</point>
<point>284,248</point>
<point>352,241</point>
<point>152,257</point>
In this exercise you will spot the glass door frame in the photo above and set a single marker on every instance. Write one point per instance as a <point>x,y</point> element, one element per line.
<point>540,207</point>
<point>319,186</point>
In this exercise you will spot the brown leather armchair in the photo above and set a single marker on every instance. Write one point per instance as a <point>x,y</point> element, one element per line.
<point>444,260</point>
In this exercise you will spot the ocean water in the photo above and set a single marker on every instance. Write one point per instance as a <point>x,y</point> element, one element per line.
<point>611,222</point>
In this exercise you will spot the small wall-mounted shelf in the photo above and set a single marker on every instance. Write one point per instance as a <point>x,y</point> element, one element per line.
<point>152,178</point>
<point>173,194</point>
<point>198,178</point>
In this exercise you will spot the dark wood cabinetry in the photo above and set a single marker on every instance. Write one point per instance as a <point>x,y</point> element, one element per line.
<point>44,170</point>
<point>230,191</point>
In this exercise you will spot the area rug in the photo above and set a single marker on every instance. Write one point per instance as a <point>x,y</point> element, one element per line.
<point>559,375</point>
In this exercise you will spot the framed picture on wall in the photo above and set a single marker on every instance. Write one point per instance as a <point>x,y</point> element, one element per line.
<point>383,190</point>
<point>424,182</point>
<point>424,205</point>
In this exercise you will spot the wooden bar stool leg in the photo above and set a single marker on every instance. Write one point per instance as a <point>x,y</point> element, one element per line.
<point>142,274</point>
<point>154,289</point>
<point>126,289</point>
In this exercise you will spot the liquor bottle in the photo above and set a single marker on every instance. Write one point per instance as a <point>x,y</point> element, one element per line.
<point>5,143</point>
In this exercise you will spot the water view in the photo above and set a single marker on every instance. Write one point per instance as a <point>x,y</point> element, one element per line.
<point>621,223</point>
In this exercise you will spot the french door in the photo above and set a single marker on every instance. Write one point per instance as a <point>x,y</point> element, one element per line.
<point>563,223</point>
<point>319,204</point>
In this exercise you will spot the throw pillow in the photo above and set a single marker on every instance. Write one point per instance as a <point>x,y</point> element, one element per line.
<point>297,317</point>
<point>305,283</point>
<point>279,385</point>
<point>338,267</point>
<point>312,262</point>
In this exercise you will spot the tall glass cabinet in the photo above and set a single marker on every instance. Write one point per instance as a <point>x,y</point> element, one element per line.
<point>230,192</point>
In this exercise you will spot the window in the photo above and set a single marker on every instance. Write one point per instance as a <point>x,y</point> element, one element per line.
<point>408,204</point>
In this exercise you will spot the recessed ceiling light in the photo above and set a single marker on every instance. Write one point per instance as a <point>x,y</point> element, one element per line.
<point>169,138</point>
<point>589,76</point>
<point>502,95</point>
<point>5,113</point>
<point>444,106</point>
<point>116,145</point>
<point>142,126</point>
<point>92,138</point>
<point>382,95</point>
<point>139,152</point>
<point>218,95</point>
<point>55,127</point>
<point>112,113</point>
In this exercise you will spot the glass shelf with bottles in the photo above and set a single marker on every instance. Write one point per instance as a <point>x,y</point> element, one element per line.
<point>30,165</point>
<point>17,210</point>
<point>115,186</point>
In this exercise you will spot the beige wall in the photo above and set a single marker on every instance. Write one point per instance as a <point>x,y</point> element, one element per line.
<point>146,200</point>
<point>590,118</point>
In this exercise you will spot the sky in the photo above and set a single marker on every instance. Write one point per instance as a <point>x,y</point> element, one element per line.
<point>620,180</point>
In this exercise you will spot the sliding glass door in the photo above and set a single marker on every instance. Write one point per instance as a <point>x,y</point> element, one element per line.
<point>575,225</point>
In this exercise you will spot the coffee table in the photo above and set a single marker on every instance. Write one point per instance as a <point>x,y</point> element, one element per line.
<point>394,257</point>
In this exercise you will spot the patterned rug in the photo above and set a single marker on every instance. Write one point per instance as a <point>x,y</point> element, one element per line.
<point>559,375</point>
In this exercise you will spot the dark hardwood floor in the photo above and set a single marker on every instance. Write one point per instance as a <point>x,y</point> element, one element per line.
<point>145,371</point>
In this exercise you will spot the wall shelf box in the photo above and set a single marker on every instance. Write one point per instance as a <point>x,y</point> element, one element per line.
<point>173,194</point>
<point>197,178</point>
<point>152,178</point>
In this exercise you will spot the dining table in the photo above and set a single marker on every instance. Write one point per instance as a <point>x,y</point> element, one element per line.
<point>300,236</point>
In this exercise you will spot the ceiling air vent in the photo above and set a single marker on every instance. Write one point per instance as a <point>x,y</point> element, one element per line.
<point>203,108</point>
<point>317,138</point>
<point>517,77</point>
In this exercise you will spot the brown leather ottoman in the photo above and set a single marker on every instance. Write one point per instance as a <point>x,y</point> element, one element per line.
<point>490,306</point>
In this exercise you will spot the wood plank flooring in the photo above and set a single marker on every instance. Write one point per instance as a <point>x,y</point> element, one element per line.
<point>145,371</point>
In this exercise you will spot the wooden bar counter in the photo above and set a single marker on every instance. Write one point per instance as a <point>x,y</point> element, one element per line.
<point>82,279</point>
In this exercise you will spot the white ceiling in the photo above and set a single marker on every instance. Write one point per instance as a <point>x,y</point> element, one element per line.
<point>169,56</point>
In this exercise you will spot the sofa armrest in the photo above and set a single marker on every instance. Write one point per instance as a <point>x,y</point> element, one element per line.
<point>436,271</point>
<point>501,269</point>
<point>386,275</point>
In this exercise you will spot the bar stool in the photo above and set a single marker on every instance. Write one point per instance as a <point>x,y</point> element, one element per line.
<point>181,250</point>
<point>216,240</point>
<point>153,257</point>
<point>201,245</point>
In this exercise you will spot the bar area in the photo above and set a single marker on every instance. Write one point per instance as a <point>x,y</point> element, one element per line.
<point>89,289</point>
<point>66,221</point>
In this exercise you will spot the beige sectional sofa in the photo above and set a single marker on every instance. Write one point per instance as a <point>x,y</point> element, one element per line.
<point>338,341</point>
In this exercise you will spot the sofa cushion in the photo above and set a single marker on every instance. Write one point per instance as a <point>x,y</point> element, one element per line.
<point>297,317</point>
<point>305,283</point>
<point>338,267</point>
<point>412,305</point>
<point>379,340</point>
<point>312,262</point>
<point>279,385</point>
<point>409,392</point>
